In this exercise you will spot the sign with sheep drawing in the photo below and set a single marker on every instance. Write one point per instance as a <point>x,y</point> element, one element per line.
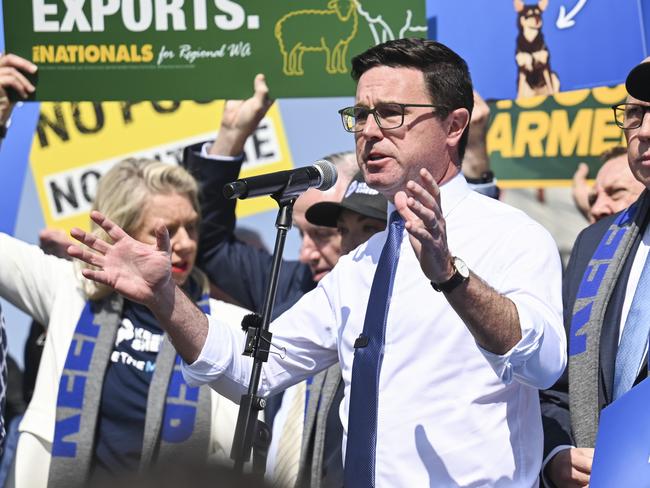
<point>100,50</point>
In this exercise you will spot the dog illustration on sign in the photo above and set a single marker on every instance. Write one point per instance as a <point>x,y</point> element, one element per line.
<point>534,74</point>
<point>312,30</point>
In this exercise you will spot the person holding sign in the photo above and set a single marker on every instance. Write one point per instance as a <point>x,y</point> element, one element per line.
<point>605,309</point>
<point>441,356</point>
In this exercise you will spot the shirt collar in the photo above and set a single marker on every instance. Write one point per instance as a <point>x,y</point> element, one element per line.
<point>451,194</point>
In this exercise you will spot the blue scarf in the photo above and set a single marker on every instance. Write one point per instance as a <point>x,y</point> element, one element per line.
<point>178,415</point>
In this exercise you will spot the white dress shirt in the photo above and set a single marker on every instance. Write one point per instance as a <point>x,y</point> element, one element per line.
<point>633,280</point>
<point>449,413</point>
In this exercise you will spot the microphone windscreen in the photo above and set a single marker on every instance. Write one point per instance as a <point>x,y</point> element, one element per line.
<point>328,174</point>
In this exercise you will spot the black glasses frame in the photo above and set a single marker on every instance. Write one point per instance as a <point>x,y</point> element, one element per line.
<point>373,111</point>
<point>621,108</point>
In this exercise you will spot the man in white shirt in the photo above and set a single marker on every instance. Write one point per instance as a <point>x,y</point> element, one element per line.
<point>604,310</point>
<point>455,349</point>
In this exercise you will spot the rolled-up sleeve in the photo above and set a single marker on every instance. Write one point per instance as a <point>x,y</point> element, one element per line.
<point>533,282</point>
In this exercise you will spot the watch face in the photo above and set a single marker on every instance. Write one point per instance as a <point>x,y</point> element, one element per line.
<point>461,267</point>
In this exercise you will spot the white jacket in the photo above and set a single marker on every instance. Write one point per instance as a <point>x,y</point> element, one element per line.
<point>48,289</point>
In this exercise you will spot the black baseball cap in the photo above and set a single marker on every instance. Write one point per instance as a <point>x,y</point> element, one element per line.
<point>638,82</point>
<point>359,198</point>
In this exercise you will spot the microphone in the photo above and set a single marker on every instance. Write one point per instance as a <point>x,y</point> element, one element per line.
<point>321,175</point>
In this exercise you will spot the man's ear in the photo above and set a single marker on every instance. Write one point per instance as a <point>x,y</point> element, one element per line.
<point>457,121</point>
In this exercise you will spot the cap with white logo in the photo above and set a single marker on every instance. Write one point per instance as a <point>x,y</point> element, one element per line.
<point>359,198</point>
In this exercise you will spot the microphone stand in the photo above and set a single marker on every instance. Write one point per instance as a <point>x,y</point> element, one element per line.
<point>258,345</point>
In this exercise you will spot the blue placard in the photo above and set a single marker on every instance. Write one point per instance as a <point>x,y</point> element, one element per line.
<point>622,456</point>
<point>14,161</point>
<point>591,43</point>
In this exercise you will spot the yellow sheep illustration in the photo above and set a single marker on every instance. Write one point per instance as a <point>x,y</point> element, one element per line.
<point>317,30</point>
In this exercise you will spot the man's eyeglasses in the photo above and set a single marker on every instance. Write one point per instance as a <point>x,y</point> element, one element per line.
<point>387,115</point>
<point>629,115</point>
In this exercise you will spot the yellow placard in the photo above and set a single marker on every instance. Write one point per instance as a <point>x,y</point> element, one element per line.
<point>75,143</point>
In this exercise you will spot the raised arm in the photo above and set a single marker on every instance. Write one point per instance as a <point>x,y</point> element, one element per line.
<point>491,317</point>
<point>221,255</point>
<point>239,120</point>
<point>142,273</point>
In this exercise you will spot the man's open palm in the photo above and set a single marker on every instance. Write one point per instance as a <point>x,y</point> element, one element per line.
<point>136,270</point>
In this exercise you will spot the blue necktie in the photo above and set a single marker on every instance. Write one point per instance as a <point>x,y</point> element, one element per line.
<point>368,354</point>
<point>635,336</point>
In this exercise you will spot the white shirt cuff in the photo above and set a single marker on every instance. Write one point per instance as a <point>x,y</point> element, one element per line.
<point>529,361</point>
<point>503,364</point>
<point>205,148</point>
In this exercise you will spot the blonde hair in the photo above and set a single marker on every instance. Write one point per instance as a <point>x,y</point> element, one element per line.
<point>122,195</point>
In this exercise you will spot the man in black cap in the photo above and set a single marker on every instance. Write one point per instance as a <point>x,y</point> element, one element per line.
<point>361,214</point>
<point>606,296</point>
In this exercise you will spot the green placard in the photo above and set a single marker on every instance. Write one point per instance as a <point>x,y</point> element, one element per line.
<point>541,140</point>
<point>200,49</point>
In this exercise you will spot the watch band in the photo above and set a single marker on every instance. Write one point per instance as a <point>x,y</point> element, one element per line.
<point>486,177</point>
<point>460,276</point>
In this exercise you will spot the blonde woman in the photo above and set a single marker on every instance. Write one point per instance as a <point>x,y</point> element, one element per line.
<point>109,395</point>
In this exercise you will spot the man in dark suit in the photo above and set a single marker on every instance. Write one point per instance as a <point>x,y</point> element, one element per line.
<point>604,313</point>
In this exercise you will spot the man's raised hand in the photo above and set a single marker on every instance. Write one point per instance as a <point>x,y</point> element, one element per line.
<point>141,272</point>
<point>419,206</point>
<point>12,68</point>
<point>240,118</point>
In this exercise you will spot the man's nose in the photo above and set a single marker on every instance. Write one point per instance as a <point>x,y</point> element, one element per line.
<point>601,208</point>
<point>308,250</point>
<point>644,130</point>
<point>371,129</point>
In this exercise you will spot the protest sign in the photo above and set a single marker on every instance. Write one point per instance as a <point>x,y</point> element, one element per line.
<point>75,143</point>
<point>200,49</point>
<point>568,44</point>
<point>540,141</point>
<point>622,454</point>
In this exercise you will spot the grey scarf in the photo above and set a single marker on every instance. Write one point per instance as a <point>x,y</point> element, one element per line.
<point>178,416</point>
<point>589,309</point>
